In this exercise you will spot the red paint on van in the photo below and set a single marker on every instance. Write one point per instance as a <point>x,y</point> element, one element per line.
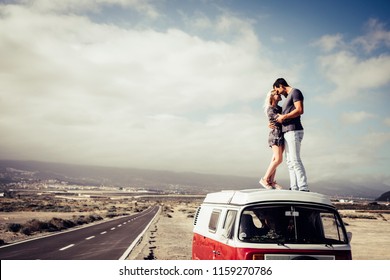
<point>208,249</point>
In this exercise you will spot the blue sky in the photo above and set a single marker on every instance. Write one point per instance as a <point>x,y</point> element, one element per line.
<point>179,85</point>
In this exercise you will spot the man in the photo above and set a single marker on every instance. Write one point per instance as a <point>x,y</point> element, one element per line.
<point>292,129</point>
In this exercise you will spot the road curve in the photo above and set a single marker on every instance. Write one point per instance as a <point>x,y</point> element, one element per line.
<point>103,241</point>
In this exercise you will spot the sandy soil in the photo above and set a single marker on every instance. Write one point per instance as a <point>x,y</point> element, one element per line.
<point>370,236</point>
<point>169,237</point>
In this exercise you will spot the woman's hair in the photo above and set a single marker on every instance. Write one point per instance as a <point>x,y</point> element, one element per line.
<point>267,101</point>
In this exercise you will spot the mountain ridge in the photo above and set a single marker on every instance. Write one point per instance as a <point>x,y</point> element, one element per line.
<point>163,179</point>
<point>132,177</point>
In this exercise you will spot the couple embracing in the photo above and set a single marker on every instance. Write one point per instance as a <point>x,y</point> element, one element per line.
<point>286,135</point>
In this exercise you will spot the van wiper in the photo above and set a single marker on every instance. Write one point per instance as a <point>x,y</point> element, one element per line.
<point>329,245</point>
<point>282,244</point>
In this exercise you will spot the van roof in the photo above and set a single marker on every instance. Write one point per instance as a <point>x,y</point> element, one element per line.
<point>243,197</point>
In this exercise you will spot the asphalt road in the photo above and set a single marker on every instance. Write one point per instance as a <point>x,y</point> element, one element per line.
<point>103,241</point>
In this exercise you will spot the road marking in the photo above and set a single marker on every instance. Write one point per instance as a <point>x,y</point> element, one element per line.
<point>119,225</point>
<point>104,232</point>
<point>113,228</point>
<point>67,247</point>
<point>88,238</point>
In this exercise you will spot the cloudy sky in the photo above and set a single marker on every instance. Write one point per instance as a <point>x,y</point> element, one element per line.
<point>179,85</point>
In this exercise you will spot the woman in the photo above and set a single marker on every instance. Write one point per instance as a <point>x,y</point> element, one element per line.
<point>275,139</point>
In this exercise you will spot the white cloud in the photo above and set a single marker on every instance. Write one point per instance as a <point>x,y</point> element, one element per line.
<point>350,71</point>
<point>201,22</point>
<point>335,153</point>
<point>357,70</point>
<point>352,75</point>
<point>376,36</point>
<point>228,27</point>
<point>144,7</point>
<point>83,92</point>
<point>356,117</point>
<point>329,42</point>
<point>78,91</point>
<point>278,40</point>
<point>376,140</point>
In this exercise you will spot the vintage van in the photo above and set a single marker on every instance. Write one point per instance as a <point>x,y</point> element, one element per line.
<point>269,225</point>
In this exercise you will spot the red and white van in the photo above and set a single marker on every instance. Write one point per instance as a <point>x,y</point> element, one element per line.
<point>269,225</point>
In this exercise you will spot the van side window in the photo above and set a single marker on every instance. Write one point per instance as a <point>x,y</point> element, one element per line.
<point>228,226</point>
<point>332,227</point>
<point>214,218</point>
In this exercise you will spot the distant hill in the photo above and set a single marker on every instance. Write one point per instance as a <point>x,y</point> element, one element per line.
<point>384,197</point>
<point>129,177</point>
<point>12,171</point>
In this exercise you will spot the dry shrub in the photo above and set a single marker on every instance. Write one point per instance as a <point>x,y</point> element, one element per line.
<point>93,218</point>
<point>33,225</point>
<point>359,216</point>
<point>14,227</point>
<point>168,209</point>
<point>60,224</point>
<point>55,224</point>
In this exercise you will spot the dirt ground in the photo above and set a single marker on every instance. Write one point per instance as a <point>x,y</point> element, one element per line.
<point>169,237</point>
<point>370,236</point>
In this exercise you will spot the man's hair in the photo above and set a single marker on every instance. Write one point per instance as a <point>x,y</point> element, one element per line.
<point>280,82</point>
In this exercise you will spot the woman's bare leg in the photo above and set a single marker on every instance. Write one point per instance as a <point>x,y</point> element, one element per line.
<point>277,159</point>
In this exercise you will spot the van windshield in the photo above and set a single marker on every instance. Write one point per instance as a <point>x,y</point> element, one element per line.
<point>291,224</point>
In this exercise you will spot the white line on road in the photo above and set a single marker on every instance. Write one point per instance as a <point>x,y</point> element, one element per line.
<point>67,247</point>
<point>88,238</point>
<point>113,228</point>
<point>104,232</point>
<point>127,252</point>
